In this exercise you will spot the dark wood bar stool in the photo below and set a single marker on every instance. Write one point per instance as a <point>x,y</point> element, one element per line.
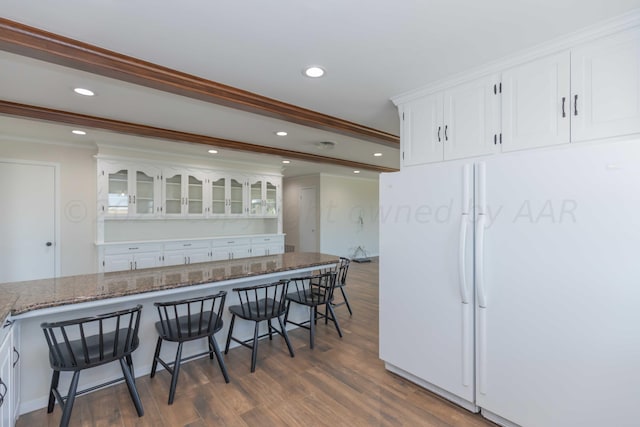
<point>78,344</point>
<point>258,304</point>
<point>188,320</point>
<point>341,282</point>
<point>313,292</point>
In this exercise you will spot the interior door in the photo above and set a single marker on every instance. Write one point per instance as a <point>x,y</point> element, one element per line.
<point>558,340</point>
<point>426,325</point>
<point>27,221</point>
<point>307,221</point>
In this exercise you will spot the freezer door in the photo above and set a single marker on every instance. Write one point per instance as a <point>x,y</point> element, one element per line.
<point>559,334</point>
<point>426,298</point>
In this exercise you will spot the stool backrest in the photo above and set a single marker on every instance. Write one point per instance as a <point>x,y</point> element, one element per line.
<point>343,269</point>
<point>192,318</point>
<point>263,301</point>
<point>91,341</point>
<point>316,289</point>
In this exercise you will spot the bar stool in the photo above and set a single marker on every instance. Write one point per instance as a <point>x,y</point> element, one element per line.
<point>313,292</point>
<point>257,304</point>
<point>78,344</point>
<point>188,320</point>
<point>341,282</point>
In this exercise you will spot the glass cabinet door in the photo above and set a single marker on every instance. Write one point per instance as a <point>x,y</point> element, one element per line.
<point>218,199</point>
<point>173,195</point>
<point>195,195</point>
<point>236,197</point>
<point>256,198</point>
<point>118,196</point>
<point>144,196</point>
<point>271,199</point>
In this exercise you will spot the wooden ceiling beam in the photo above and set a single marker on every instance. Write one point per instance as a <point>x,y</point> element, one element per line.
<point>64,117</point>
<point>35,43</point>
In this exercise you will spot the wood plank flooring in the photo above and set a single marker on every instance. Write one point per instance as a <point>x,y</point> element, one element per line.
<point>340,383</point>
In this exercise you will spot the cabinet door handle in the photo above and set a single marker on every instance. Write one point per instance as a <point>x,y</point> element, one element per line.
<point>135,264</point>
<point>446,138</point>
<point>130,265</point>
<point>129,199</point>
<point>439,128</point>
<point>563,101</point>
<point>575,105</point>
<point>17,357</point>
<point>134,199</point>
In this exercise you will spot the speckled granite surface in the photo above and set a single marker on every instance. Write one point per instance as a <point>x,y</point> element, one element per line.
<point>21,297</point>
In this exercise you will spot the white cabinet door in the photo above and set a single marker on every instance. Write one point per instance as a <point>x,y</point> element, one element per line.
<point>469,112</point>
<point>128,190</point>
<point>145,182</point>
<point>421,131</point>
<point>173,197</point>
<point>6,381</point>
<point>605,87</point>
<point>118,262</point>
<point>197,255</point>
<point>146,260</point>
<point>535,103</point>
<point>184,193</point>
<point>174,258</point>
<point>240,251</point>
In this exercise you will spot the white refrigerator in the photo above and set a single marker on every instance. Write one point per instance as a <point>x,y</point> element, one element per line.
<point>511,284</point>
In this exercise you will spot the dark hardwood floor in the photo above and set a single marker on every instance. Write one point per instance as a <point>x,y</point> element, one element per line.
<point>340,383</point>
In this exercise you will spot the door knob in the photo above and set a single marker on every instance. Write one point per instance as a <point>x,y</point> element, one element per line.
<point>49,243</point>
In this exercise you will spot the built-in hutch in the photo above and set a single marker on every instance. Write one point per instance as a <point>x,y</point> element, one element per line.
<point>152,214</point>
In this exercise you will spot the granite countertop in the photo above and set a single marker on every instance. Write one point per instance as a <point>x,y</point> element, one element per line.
<point>21,297</point>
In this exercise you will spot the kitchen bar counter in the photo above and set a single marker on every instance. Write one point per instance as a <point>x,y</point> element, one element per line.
<point>21,297</point>
<point>30,303</point>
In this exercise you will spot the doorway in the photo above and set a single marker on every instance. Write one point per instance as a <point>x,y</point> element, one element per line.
<point>307,220</point>
<point>28,249</point>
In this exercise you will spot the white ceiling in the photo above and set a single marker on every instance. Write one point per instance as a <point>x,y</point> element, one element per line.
<point>371,49</point>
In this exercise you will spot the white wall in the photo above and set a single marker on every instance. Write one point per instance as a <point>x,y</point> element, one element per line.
<point>349,215</point>
<point>77,198</point>
<point>291,205</point>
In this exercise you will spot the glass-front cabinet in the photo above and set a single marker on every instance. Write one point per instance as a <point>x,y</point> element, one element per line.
<point>265,196</point>
<point>126,191</point>
<point>227,195</point>
<point>184,194</point>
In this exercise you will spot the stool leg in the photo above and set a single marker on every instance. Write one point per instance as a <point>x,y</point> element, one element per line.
<point>285,335</point>
<point>270,330</point>
<point>335,319</point>
<point>346,300</point>
<point>226,348</point>
<point>71,397</point>
<point>286,313</point>
<point>154,365</point>
<point>312,325</point>
<point>54,385</point>
<point>131,385</point>
<point>254,352</point>
<point>174,376</point>
<point>214,344</point>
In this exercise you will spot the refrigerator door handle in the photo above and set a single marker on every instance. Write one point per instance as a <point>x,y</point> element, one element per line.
<point>462,250</point>
<point>482,298</point>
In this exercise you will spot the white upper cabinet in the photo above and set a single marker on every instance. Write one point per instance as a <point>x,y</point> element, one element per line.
<point>265,197</point>
<point>535,103</point>
<point>470,112</point>
<point>421,130</point>
<point>227,195</point>
<point>456,123</point>
<point>128,191</point>
<point>605,87</point>
<point>184,193</point>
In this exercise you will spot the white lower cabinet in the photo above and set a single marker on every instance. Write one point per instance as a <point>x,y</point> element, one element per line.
<point>131,257</point>
<point>222,249</point>
<point>8,374</point>
<point>261,246</point>
<point>186,252</point>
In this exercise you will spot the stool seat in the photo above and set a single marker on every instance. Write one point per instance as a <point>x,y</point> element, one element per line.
<point>72,357</point>
<point>183,329</point>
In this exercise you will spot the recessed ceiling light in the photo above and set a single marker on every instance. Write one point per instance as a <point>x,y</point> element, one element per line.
<point>356,171</point>
<point>83,91</point>
<point>377,154</point>
<point>212,151</point>
<point>281,133</point>
<point>286,162</point>
<point>313,71</point>
<point>78,132</point>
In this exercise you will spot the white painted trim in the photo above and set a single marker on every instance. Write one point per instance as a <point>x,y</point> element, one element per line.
<point>56,202</point>
<point>591,33</point>
<point>469,406</point>
<point>85,145</point>
<point>497,419</point>
<point>354,177</point>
